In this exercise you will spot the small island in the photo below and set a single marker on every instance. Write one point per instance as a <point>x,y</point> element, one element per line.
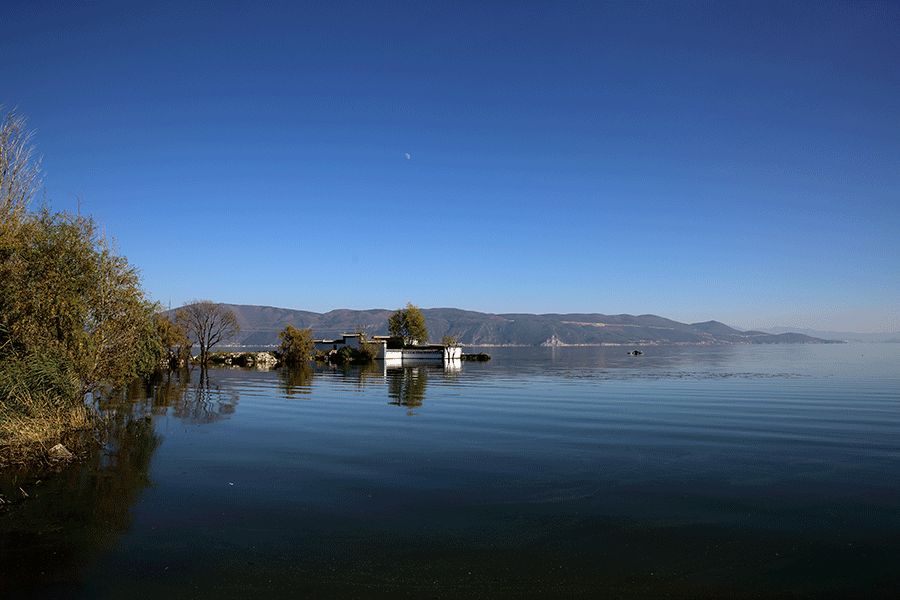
<point>406,343</point>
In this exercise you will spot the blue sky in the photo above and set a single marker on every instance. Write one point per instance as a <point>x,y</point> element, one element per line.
<point>728,161</point>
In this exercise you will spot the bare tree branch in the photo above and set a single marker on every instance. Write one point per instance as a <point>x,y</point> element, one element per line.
<point>19,174</point>
<point>208,323</point>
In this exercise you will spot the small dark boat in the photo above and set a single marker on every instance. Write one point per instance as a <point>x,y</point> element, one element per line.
<point>636,352</point>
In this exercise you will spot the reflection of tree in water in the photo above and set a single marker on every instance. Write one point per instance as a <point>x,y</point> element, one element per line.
<point>296,380</point>
<point>370,373</point>
<point>406,386</point>
<point>70,516</point>
<point>170,391</point>
<point>362,375</point>
<point>207,404</point>
<point>172,394</point>
<point>130,442</point>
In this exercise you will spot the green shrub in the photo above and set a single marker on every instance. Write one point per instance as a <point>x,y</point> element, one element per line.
<point>296,345</point>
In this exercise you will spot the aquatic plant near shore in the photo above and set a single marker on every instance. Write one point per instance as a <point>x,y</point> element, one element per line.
<point>32,423</point>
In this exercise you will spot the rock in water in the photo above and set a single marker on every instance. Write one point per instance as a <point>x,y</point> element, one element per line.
<point>60,452</point>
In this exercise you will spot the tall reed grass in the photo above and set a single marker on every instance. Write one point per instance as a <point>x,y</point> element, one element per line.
<point>39,408</point>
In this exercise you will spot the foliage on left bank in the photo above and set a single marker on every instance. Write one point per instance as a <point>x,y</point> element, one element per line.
<point>74,319</point>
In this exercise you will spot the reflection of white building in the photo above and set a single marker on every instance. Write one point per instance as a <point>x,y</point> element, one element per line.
<point>426,352</point>
<point>434,366</point>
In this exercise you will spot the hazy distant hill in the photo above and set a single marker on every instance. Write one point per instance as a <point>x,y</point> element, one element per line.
<point>839,335</point>
<point>260,326</point>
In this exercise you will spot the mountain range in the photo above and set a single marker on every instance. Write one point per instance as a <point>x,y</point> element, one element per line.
<point>845,336</point>
<point>260,326</point>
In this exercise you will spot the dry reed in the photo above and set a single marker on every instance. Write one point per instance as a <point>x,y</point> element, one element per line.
<point>37,424</point>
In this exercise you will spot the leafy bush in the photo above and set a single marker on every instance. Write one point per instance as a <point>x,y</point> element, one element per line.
<point>296,345</point>
<point>408,324</point>
<point>73,317</point>
<point>64,293</point>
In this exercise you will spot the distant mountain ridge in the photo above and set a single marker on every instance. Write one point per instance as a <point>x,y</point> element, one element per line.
<point>260,326</point>
<point>839,335</point>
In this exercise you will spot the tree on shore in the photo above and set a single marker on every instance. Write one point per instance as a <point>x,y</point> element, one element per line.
<point>73,316</point>
<point>296,346</point>
<point>208,323</point>
<point>408,324</point>
<point>67,296</point>
<point>174,341</point>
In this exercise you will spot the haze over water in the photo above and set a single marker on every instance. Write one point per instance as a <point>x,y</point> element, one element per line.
<point>726,471</point>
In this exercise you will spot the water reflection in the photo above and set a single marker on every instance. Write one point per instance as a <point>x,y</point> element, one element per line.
<point>528,478</point>
<point>406,386</point>
<point>54,522</point>
<point>210,402</point>
<point>203,403</point>
<point>404,383</point>
<point>361,376</point>
<point>655,362</point>
<point>370,375</point>
<point>51,523</point>
<point>189,395</point>
<point>296,381</point>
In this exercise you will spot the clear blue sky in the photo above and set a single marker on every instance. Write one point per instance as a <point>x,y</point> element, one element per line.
<point>728,161</point>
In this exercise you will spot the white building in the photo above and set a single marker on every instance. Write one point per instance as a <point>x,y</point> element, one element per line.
<point>421,352</point>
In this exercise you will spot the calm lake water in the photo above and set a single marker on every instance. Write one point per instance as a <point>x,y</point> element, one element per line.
<point>727,471</point>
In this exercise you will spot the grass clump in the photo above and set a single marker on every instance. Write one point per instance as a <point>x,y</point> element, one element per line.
<point>39,409</point>
<point>28,436</point>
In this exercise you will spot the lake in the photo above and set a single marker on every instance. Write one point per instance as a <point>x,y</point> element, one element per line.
<point>689,471</point>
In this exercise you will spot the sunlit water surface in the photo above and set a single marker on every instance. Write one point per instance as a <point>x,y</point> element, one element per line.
<point>727,471</point>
